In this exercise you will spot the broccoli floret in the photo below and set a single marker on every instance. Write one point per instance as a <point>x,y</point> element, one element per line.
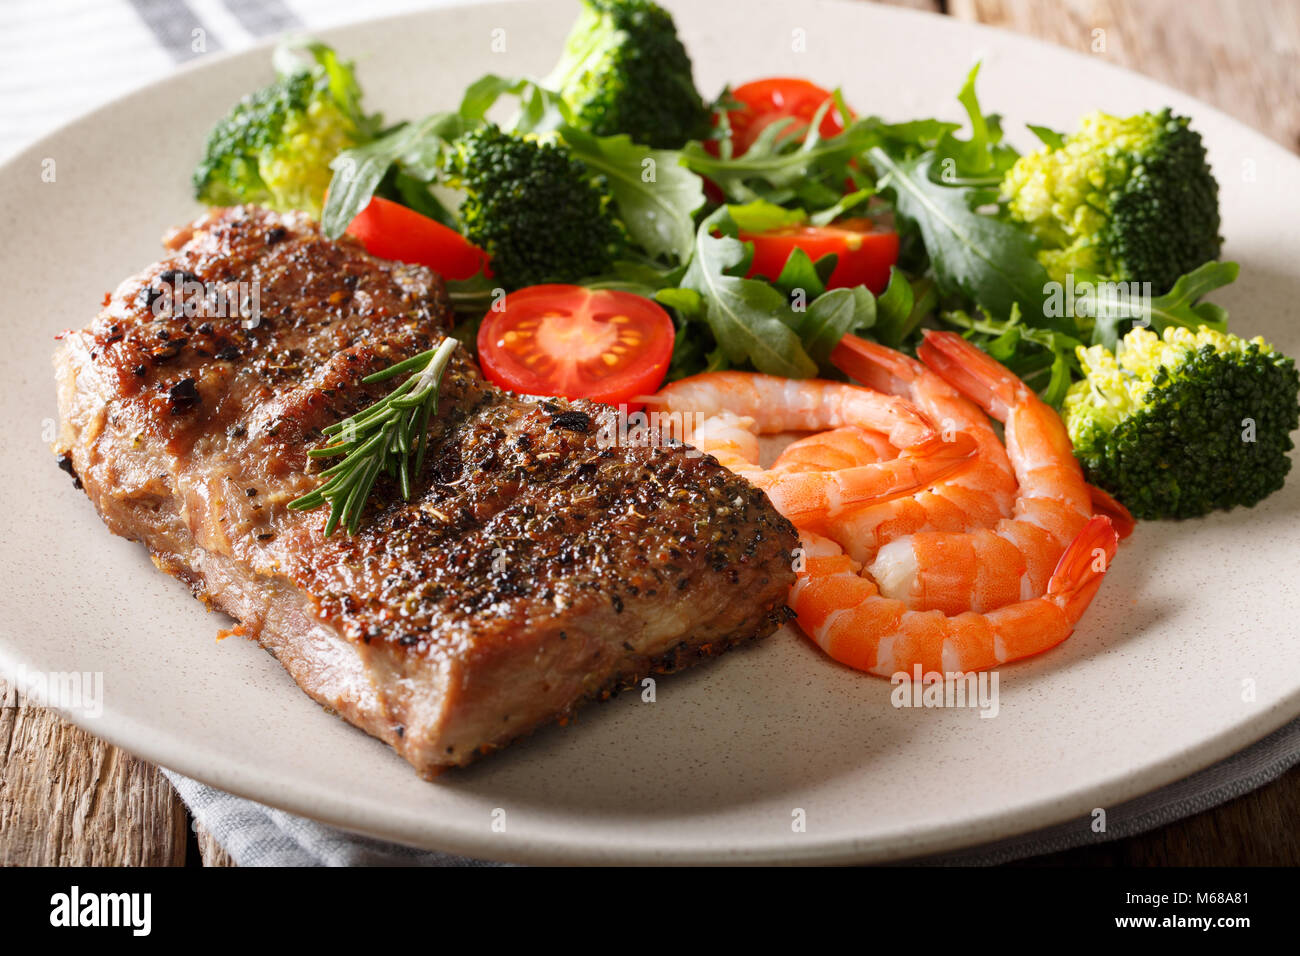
<point>540,214</point>
<point>275,146</point>
<point>623,70</point>
<point>1180,425</point>
<point>1122,200</point>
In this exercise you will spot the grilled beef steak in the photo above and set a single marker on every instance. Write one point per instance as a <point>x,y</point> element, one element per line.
<point>535,565</point>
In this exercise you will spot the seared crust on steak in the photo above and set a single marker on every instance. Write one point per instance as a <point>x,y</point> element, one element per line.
<point>536,565</point>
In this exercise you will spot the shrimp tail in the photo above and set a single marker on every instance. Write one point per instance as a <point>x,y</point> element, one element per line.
<point>875,366</point>
<point>801,495</point>
<point>917,468</point>
<point>973,372</point>
<point>1103,503</point>
<point>1079,573</point>
<point>945,453</point>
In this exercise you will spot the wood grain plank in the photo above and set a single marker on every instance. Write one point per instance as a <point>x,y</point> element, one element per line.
<point>70,799</point>
<point>1238,56</point>
<point>210,850</point>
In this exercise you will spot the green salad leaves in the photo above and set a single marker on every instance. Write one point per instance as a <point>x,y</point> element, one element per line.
<point>973,255</point>
<point>750,320</point>
<point>592,177</point>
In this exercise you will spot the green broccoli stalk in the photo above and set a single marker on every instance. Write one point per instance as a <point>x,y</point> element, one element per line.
<point>1121,200</point>
<point>540,214</point>
<point>623,70</point>
<point>1176,426</point>
<point>275,146</point>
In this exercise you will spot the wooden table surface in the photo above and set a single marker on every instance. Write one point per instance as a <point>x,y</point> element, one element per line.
<point>69,798</point>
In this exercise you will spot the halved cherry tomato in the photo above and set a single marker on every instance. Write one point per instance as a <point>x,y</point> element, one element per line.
<point>393,231</point>
<point>766,101</point>
<point>565,340</point>
<point>865,251</point>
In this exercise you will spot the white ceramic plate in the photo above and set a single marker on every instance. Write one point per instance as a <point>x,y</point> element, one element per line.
<point>1149,689</point>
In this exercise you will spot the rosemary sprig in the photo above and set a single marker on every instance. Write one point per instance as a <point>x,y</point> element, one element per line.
<point>380,438</point>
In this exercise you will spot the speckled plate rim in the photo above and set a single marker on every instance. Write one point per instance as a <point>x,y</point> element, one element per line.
<point>245,778</point>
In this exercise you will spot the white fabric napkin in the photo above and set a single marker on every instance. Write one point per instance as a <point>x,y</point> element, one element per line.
<point>60,58</point>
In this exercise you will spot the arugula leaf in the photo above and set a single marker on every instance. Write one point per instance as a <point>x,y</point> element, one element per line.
<point>1043,358</point>
<point>359,171</point>
<point>416,148</point>
<point>981,140</point>
<point>895,304</point>
<point>830,317</point>
<point>760,215</point>
<point>414,192</point>
<point>910,138</point>
<point>656,196</point>
<point>1177,307</point>
<point>481,95</point>
<point>969,156</point>
<point>780,167</point>
<point>1047,136</point>
<point>694,350</point>
<point>983,158</point>
<point>750,320</point>
<point>902,307</point>
<point>825,217</point>
<point>1046,359</point>
<point>801,276</point>
<point>685,300</point>
<point>357,174</point>
<point>540,110</point>
<point>640,278</point>
<point>976,256</point>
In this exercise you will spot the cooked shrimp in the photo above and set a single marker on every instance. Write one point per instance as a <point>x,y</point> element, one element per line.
<point>975,497</point>
<point>803,496</point>
<point>790,404</point>
<point>837,448</point>
<point>845,614</point>
<point>1011,559</point>
<point>739,406</point>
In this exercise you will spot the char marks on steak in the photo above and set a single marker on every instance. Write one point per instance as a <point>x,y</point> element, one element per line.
<point>535,566</point>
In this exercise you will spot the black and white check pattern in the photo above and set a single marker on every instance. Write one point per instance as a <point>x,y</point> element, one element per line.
<point>62,58</point>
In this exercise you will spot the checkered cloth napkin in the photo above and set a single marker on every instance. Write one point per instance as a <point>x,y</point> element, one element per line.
<point>60,58</point>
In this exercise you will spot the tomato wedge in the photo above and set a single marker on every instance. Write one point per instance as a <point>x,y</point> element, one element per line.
<point>763,102</point>
<point>607,346</point>
<point>393,231</point>
<point>865,251</point>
